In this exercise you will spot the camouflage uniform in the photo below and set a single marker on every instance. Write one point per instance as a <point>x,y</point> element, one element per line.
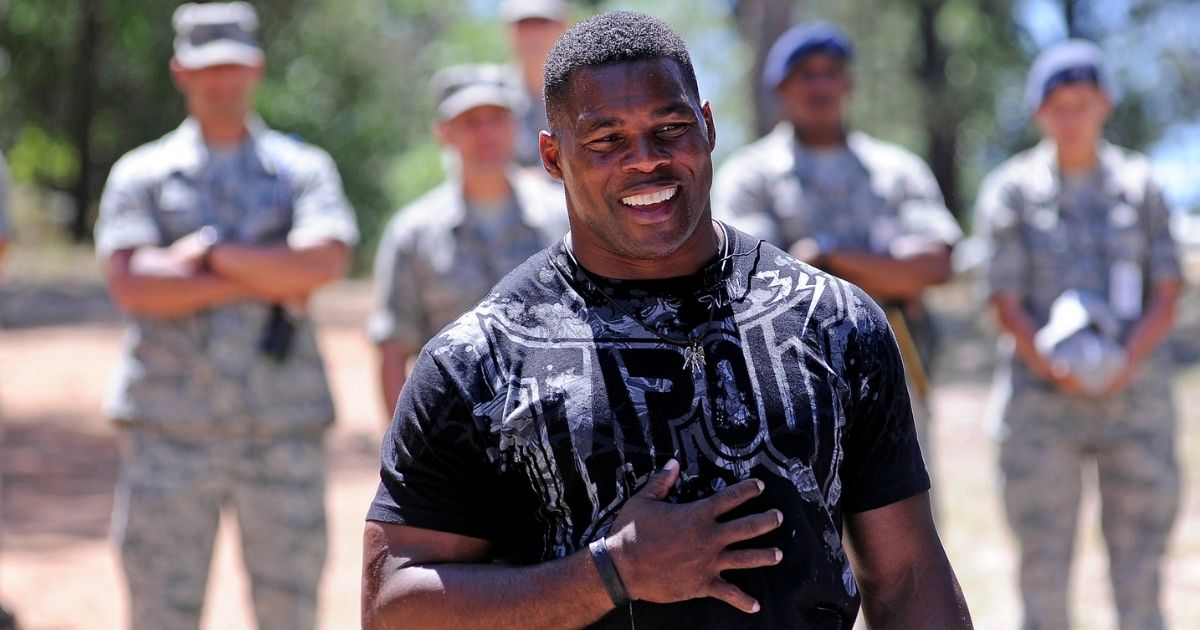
<point>860,197</point>
<point>1048,235</point>
<point>438,257</point>
<point>531,120</point>
<point>4,227</point>
<point>207,420</point>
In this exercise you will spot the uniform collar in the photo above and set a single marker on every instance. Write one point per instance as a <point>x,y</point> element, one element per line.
<point>189,153</point>
<point>525,199</point>
<point>784,137</point>
<point>1046,178</point>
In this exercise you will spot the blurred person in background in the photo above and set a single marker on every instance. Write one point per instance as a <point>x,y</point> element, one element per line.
<point>533,27</point>
<point>1084,280</point>
<point>860,208</point>
<point>440,254</point>
<point>5,227</point>
<point>215,236</point>
<point>6,618</point>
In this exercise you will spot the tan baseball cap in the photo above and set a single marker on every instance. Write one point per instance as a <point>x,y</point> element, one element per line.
<point>467,86</point>
<point>216,34</point>
<point>513,11</point>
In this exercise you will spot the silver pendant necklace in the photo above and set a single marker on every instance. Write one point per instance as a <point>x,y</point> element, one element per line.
<point>693,350</point>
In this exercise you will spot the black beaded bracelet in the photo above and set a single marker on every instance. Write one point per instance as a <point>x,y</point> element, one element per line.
<point>602,558</point>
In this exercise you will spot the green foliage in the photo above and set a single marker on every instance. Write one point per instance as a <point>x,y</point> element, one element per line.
<point>351,76</point>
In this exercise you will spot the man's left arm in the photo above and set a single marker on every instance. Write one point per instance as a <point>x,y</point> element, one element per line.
<point>901,568</point>
<point>902,276</point>
<point>898,560</point>
<point>918,255</point>
<point>280,273</point>
<point>1166,288</point>
<point>317,250</point>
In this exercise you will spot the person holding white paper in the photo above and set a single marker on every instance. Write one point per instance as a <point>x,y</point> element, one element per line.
<point>1084,280</point>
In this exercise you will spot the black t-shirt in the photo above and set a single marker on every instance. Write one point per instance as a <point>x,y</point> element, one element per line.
<point>531,419</point>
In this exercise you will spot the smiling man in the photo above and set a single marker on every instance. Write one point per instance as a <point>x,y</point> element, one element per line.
<point>658,422</point>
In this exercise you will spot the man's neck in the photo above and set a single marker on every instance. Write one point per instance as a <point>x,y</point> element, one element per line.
<point>488,187</point>
<point>689,259</point>
<point>820,137</point>
<point>1080,158</point>
<point>223,132</point>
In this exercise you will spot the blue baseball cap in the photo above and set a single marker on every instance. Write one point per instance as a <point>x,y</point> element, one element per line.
<point>1070,62</point>
<point>805,39</point>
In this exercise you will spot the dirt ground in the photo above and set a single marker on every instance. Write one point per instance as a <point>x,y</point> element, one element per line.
<point>57,570</point>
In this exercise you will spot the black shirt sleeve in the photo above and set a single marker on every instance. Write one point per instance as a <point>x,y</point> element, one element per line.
<point>434,472</point>
<point>883,461</point>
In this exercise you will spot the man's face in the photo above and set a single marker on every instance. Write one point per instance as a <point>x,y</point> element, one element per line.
<point>633,148</point>
<point>484,137</point>
<point>223,92</point>
<point>1074,114</point>
<point>814,93</point>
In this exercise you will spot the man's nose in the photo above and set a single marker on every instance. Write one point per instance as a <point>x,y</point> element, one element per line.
<point>645,155</point>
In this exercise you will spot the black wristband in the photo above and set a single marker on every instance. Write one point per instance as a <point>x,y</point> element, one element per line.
<point>608,572</point>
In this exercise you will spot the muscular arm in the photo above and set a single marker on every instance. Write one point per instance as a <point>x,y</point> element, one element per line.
<point>902,570</point>
<point>278,273</point>
<point>155,281</point>
<point>393,372</point>
<point>420,578</point>
<point>889,278</point>
<point>662,551</point>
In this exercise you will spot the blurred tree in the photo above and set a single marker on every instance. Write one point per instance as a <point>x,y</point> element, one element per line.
<point>84,81</point>
<point>760,23</point>
<point>945,77</point>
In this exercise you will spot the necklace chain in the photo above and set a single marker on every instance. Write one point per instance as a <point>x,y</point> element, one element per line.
<point>693,349</point>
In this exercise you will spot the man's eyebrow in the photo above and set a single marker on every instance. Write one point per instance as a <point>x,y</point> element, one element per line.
<point>675,109</point>
<point>589,122</point>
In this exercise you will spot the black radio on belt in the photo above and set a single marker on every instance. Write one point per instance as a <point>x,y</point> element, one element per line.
<point>277,335</point>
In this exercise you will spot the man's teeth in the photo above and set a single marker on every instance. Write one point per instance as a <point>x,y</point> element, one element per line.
<point>649,198</point>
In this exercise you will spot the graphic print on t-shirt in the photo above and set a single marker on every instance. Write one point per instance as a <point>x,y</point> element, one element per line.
<point>531,420</point>
<point>606,394</point>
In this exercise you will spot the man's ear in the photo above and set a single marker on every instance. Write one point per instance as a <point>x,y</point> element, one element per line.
<point>178,74</point>
<point>706,112</point>
<point>548,147</point>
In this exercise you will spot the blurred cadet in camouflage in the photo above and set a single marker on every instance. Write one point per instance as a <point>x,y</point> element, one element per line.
<point>440,254</point>
<point>533,27</point>
<point>6,618</point>
<point>1083,278</point>
<point>214,237</point>
<point>860,208</point>
<point>5,228</point>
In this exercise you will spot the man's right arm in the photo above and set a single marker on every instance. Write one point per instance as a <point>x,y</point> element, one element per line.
<point>662,551</point>
<point>396,324</point>
<point>155,281</point>
<point>427,579</point>
<point>393,372</point>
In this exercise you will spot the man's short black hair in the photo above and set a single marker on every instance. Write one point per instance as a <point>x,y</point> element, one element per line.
<point>613,37</point>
